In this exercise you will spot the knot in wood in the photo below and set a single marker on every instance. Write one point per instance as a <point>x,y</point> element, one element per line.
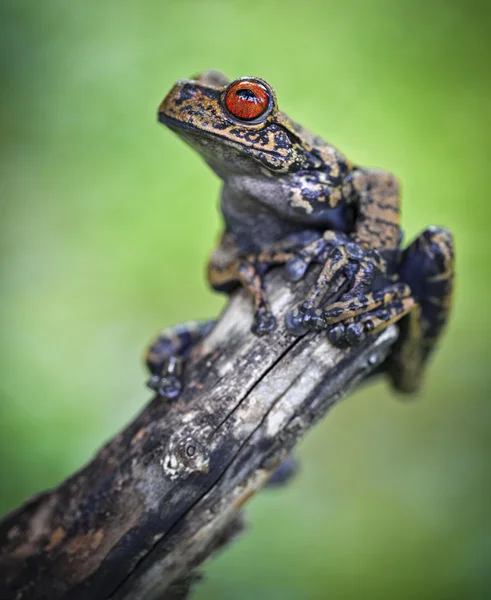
<point>185,455</point>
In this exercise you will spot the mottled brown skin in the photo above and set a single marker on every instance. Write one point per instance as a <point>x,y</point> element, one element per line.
<point>290,198</point>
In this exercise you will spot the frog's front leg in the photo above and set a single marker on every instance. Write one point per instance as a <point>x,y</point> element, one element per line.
<point>376,197</point>
<point>342,289</point>
<point>420,302</point>
<point>244,271</point>
<point>166,355</point>
<point>229,267</point>
<point>358,257</point>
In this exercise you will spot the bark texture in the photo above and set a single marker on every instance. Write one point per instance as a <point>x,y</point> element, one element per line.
<point>166,492</point>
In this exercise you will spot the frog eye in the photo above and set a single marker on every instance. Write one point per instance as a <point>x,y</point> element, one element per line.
<point>247,99</point>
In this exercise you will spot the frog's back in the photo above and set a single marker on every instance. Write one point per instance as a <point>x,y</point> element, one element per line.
<point>327,154</point>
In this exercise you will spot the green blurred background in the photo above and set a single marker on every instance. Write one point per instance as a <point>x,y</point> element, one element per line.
<point>107,219</point>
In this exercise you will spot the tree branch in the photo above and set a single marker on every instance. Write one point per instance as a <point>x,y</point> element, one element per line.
<point>167,491</point>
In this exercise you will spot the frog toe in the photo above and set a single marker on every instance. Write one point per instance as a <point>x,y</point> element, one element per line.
<point>347,335</point>
<point>294,322</point>
<point>337,335</point>
<point>313,319</point>
<point>264,323</point>
<point>300,320</point>
<point>355,334</point>
<point>295,268</point>
<point>168,387</point>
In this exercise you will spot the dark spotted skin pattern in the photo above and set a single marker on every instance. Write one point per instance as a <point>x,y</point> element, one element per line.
<point>290,198</point>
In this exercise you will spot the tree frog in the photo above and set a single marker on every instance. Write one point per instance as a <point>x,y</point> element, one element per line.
<point>290,198</point>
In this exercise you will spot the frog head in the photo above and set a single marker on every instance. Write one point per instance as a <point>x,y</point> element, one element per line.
<point>237,127</point>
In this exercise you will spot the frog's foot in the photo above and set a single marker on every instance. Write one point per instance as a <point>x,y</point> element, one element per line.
<point>228,267</point>
<point>349,308</point>
<point>248,272</point>
<point>264,322</point>
<point>353,331</point>
<point>348,273</point>
<point>251,275</point>
<point>166,356</point>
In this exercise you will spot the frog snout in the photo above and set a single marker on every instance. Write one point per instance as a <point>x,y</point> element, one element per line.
<point>182,95</point>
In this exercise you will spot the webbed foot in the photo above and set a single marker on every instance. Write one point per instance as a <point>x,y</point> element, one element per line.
<point>346,277</point>
<point>300,320</point>
<point>167,354</point>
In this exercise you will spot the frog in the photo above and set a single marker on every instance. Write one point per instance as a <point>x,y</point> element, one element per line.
<point>289,198</point>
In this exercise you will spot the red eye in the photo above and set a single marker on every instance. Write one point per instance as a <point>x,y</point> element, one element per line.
<point>247,99</point>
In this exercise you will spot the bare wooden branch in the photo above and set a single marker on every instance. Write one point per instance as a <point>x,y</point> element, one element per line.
<point>167,491</point>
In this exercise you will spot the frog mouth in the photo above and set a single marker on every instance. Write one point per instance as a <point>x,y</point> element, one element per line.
<point>180,126</point>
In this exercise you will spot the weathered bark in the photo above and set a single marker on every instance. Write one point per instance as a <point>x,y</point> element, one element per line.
<point>166,492</point>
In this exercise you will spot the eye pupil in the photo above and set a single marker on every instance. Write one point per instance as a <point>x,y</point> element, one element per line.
<point>246,94</point>
<point>247,99</point>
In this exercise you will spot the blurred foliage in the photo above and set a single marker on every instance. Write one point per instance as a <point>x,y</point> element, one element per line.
<point>107,219</point>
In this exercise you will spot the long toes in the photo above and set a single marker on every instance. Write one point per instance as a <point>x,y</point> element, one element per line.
<point>355,334</point>
<point>313,319</point>
<point>333,313</point>
<point>170,387</point>
<point>263,323</point>
<point>337,335</point>
<point>355,251</point>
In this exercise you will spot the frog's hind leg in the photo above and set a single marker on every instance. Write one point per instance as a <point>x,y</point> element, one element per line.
<point>166,355</point>
<point>428,268</point>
